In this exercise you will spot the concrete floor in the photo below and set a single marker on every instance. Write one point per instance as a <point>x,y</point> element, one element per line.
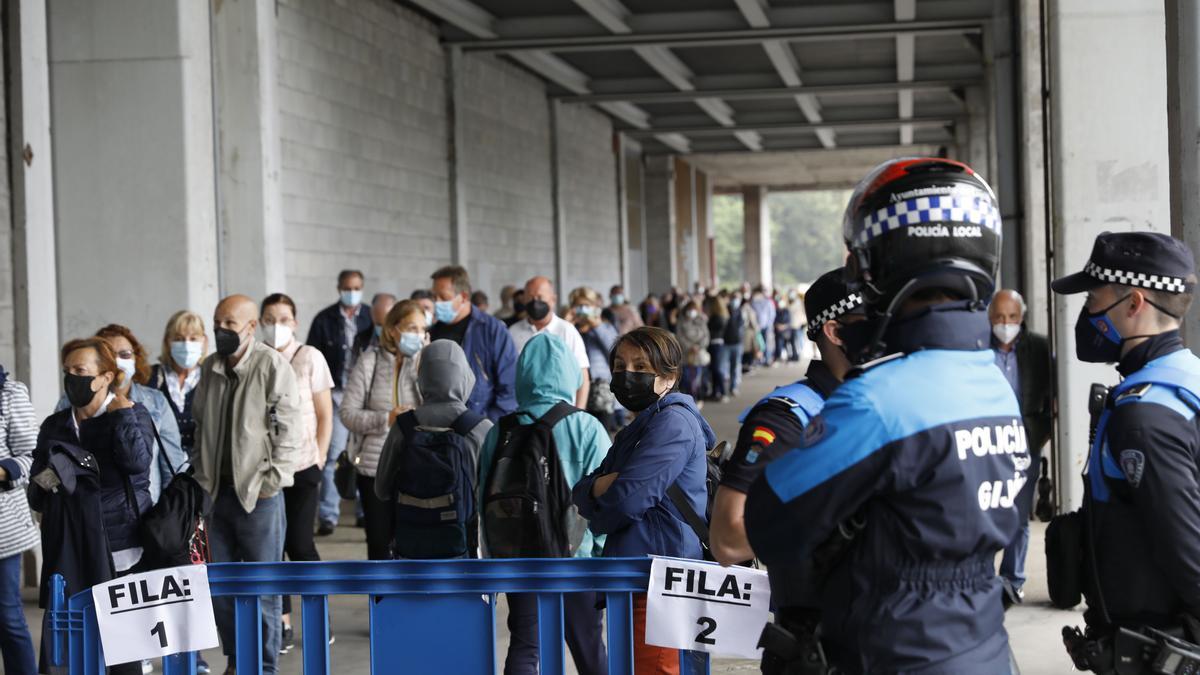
<point>1034,628</point>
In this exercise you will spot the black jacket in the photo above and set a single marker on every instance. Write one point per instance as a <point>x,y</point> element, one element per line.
<point>1035,368</point>
<point>122,442</point>
<point>327,335</point>
<point>73,541</point>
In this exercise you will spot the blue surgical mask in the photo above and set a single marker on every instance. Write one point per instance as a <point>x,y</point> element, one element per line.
<point>618,299</point>
<point>378,331</point>
<point>351,298</point>
<point>443,311</point>
<point>410,343</point>
<point>186,354</point>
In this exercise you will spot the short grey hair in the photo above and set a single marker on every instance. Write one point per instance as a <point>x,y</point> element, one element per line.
<point>1016,296</point>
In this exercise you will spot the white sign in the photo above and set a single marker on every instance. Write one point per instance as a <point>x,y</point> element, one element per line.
<point>705,607</point>
<point>155,614</point>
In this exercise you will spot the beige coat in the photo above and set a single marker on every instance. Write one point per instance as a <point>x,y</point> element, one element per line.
<point>370,396</point>
<point>267,423</point>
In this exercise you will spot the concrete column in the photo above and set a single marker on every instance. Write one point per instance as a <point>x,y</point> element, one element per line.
<point>756,256</point>
<point>131,112</point>
<point>1035,239</point>
<point>1004,109</point>
<point>244,70</point>
<point>455,138</point>
<point>1183,114</point>
<point>622,210</point>
<point>35,279</point>
<point>702,197</point>
<point>979,135</point>
<point>556,200</point>
<point>1110,170</point>
<point>685,223</point>
<point>659,223</point>
<point>634,189</point>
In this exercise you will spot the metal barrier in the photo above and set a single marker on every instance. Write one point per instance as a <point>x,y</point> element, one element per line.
<point>426,616</point>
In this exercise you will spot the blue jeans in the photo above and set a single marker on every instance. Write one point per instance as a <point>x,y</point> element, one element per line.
<point>582,629</point>
<point>330,507</point>
<point>719,370</point>
<point>237,536</point>
<point>15,643</point>
<point>732,356</point>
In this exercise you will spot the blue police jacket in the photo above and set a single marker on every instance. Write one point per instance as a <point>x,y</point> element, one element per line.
<point>666,443</point>
<point>1143,490</point>
<point>928,448</point>
<point>493,359</point>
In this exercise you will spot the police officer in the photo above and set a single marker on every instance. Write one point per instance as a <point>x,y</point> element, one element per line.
<point>1143,483</point>
<point>772,426</point>
<point>922,445</point>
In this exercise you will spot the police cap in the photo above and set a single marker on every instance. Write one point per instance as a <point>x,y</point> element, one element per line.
<point>829,298</point>
<point>1148,260</point>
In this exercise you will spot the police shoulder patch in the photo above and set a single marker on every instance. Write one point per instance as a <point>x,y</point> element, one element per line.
<point>753,453</point>
<point>1133,464</point>
<point>1135,392</point>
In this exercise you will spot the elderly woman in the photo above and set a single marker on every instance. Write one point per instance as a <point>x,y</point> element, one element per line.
<point>177,372</point>
<point>103,443</point>
<point>383,385</point>
<point>626,497</point>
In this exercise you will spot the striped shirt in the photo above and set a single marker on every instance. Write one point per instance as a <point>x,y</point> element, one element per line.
<point>18,437</point>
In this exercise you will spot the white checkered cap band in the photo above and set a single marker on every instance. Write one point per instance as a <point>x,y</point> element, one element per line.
<point>1152,281</point>
<point>936,209</point>
<point>839,308</point>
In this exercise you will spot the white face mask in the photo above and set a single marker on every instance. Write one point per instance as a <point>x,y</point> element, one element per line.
<point>1006,332</point>
<point>127,366</point>
<point>277,335</point>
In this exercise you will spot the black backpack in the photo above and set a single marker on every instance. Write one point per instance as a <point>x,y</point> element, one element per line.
<point>435,488</point>
<point>527,509</point>
<point>713,459</point>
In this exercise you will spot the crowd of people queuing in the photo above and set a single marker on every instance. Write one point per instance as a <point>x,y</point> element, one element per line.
<point>259,418</point>
<point>432,413</point>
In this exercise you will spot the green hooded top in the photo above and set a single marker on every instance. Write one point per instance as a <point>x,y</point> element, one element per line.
<point>547,373</point>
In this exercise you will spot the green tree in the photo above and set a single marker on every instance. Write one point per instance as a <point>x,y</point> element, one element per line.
<point>806,235</point>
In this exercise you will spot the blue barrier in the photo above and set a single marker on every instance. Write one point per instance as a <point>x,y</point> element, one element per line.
<point>443,611</point>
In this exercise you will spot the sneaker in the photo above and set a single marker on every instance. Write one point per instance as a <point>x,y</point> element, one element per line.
<point>1012,595</point>
<point>360,522</point>
<point>331,638</point>
<point>147,667</point>
<point>287,641</point>
<point>325,529</point>
<point>202,667</point>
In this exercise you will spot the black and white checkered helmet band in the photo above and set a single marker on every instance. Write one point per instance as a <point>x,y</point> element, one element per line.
<point>1140,279</point>
<point>935,209</point>
<point>839,308</point>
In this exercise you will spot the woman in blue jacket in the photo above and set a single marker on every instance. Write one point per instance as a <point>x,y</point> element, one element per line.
<point>626,497</point>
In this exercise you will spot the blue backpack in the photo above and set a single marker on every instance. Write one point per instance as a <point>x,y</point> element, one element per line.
<point>435,488</point>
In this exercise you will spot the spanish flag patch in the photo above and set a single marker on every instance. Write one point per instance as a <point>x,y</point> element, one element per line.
<point>763,435</point>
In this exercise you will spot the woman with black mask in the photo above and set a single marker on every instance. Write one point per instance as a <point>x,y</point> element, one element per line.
<point>626,497</point>
<point>102,433</point>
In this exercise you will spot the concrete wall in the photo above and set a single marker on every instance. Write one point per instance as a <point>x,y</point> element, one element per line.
<point>363,135</point>
<point>589,181</point>
<point>8,346</point>
<point>1102,180</point>
<point>507,174</point>
<point>133,158</point>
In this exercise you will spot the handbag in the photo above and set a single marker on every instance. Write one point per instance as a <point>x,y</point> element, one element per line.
<point>173,531</point>
<point>344,476</point>
<point>601,400</point>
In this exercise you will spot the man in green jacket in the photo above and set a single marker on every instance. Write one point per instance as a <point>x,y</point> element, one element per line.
<point>547,374</point>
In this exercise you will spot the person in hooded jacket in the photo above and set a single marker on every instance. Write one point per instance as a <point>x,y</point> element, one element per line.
<point>119,435</point>
<point>547,374</point>
<point>445,382</point>
<point>626,498</point>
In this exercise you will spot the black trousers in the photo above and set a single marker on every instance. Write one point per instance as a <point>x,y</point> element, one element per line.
<point>380,517</point>
<point>300,504</point>
<point>581,628</point>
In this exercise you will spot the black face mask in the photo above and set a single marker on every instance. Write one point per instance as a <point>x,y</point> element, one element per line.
<point>537,310</point>
<point>78,389</point>
<point>227,341</point>
<point>518,307</point>
<point>634,390</point>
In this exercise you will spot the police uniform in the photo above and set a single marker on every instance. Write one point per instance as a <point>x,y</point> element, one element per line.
<point>1143,483</point>
<point>775,424</point>
<point>922,447</point>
